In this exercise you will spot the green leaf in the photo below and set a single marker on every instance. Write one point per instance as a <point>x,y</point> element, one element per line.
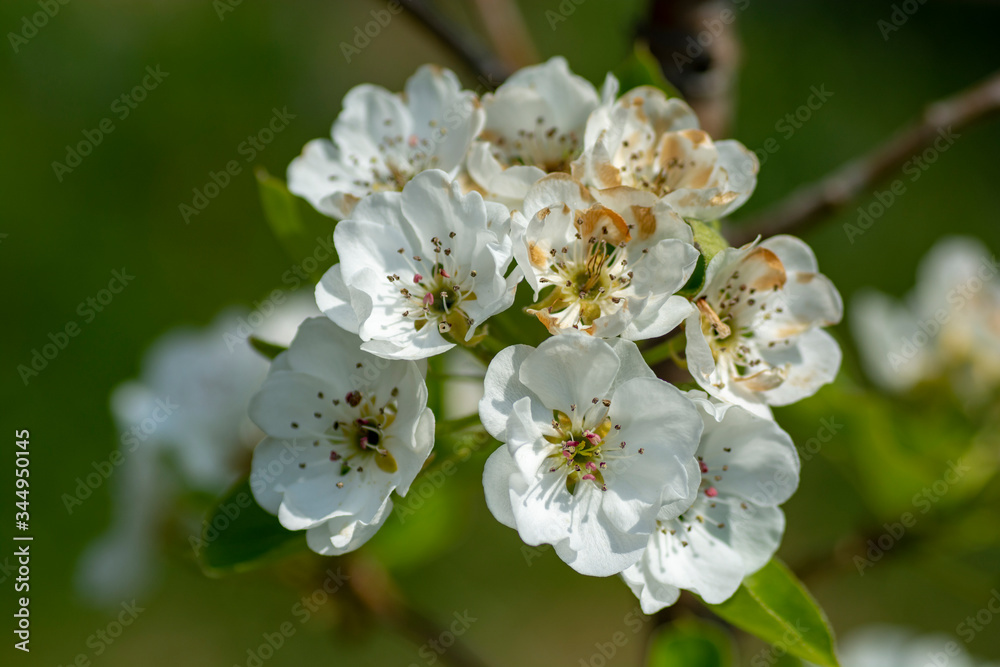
<point>238,535</point>
<point>774,605</point>
<point>709,241</point>
<point>690,643</point>
<point>266,349</point>
<point>641,68</point>
<point>303,237</point>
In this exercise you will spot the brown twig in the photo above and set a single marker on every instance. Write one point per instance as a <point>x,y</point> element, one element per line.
<point>491,70</point>
<point>373,587</point>
<point>815,202</point>
<point>508,33</point>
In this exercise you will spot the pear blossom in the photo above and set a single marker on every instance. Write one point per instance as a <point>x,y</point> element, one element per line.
<point>381,140</point>
<point>610,260</point>
<point>892,646</point>
<point>419,270</point>
<point>183,426</point>
<point>949,326</point>
<point>344,430</point>
<point>748,467</point>
<point>754,338</point>
<point>645,140</point>
<point>535,122</point>
<point>595,447</point>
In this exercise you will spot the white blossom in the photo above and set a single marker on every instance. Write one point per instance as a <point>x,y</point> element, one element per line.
<point>948,326</point>
<point>645,140</point>
<point>748,467</point>
<point>420,269</point>
<point>595,446</point>
<point>534,126</point>
<point>381,140</point>
<point>344,430</point>
<point>608,261</point>
<point>755,338</point>
<point>183,426</point>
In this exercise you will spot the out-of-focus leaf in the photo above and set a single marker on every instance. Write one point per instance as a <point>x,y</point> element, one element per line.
<point>774,605</point>
<point>304,234</point>
<point>424,524</point>
<point>266,349</point>
<point>238,535</point>
<point>690,643</point>
<point>641,68</point>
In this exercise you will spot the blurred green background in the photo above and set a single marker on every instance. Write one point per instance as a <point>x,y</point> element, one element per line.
<point>119,208</point>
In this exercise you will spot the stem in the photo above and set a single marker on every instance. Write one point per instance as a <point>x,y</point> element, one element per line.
<point>508,33</point>
<point>373,586</point>
<point>668,349</point>
<point>814,203</point>
<point>491,70</point>
<point>449,426</point>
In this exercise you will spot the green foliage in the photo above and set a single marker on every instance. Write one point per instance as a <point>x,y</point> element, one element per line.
<point>690,643</point>
<point>266,349</point>
<point>641,68</point>
<point>774,605</point>
<point>297,227</point>
<point>238,535</point>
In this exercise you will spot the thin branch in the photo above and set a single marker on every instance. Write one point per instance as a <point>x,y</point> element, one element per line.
<point>491,70</point>
<point>815,202</point>
<point>510,37</point>
<point>373,587</point>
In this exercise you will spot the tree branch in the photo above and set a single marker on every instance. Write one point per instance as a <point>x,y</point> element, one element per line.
<point>373,587</point>
<point>505,24</point>
<point>815,202</point>
<point>491,70</point>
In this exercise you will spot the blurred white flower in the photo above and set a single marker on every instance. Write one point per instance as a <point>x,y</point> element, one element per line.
<point>534,126</point>
<point>595,446</point>
<point>949,325</point>
<point>748,467</point>
<point>645,140</point>
<point>755,338</point>
<point>381,140</point>
<point>344,430</point>
<point>891,646</point>
<point>183,426</point>
<point>418,266</point>
<point>610,260</point>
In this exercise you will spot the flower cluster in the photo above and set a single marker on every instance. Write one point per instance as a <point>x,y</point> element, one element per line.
<point>606,206</point>
<point>948,327</point>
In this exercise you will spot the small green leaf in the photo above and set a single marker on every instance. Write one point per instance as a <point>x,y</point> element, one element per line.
<point>238,535</point>
<point>266,349</point>
<point>774,605</point>
<point>641,68</point>
<point>301,236</point>
<point>690,643</point>
<point>707,238</point>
